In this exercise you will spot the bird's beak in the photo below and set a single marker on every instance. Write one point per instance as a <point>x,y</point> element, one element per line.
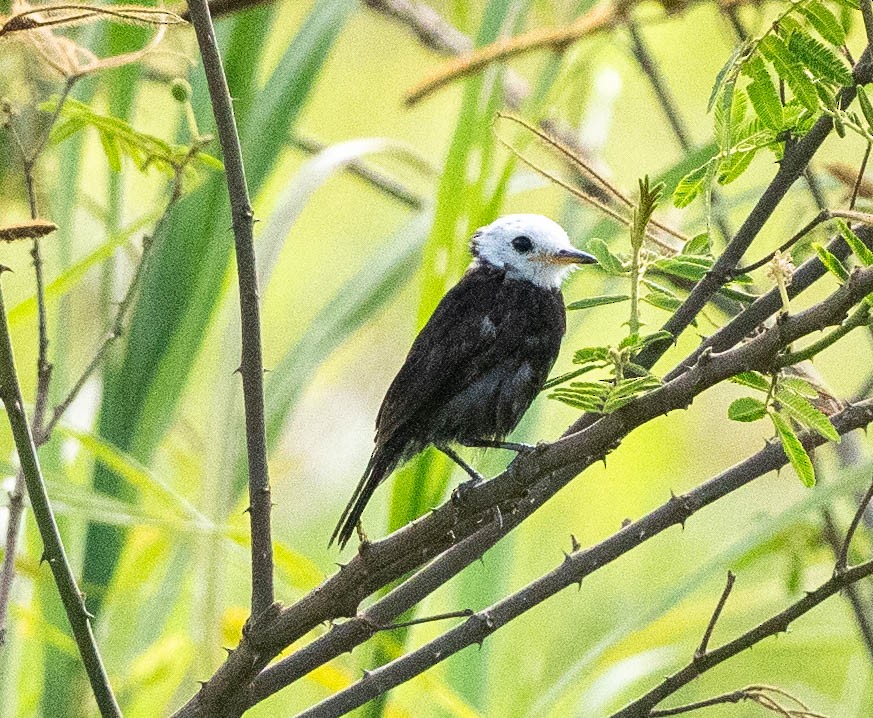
<point>572,256</point>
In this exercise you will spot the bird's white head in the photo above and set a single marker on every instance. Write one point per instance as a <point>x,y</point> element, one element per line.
<point>530,247</point>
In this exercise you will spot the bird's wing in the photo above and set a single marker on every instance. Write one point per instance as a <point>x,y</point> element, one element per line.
<point>480,323</point>
<point>450,346</point>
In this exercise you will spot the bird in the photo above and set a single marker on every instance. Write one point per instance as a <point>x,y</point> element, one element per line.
<point>483,356</point>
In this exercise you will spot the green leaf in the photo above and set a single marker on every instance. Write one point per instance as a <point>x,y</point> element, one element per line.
<point>635,342</point>
<point>824,21</point>
<point>831,262</point>
<point>794,450</point>
<point>807,415</point>
<point>608,262</point>
<point>598,301</point>
<point>691,185</point>
<point>747,409</point>
<point>821,60</point>
<point>662,300</point>
<point>866,107</point>
<point>763,94</point>
<point>627,390</point>
<point>591,354</point>
<point>684,266</point>
<point>798,386</point>
<point>790,69</point>
<point>699,246</point>
<point>859,249</point>
<point>587,396</point>
<point>753,380</point>
<point>734,165</point>
<point>726,72</point>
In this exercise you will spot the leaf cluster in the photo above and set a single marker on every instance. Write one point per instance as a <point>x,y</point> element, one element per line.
<point>772,90</point>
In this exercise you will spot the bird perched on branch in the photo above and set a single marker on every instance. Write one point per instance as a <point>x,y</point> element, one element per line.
<point>482,357</point>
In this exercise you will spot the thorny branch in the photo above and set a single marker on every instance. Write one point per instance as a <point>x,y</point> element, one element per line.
<point>525,486</point>
<point>706,660</point>
<point>252,365</point>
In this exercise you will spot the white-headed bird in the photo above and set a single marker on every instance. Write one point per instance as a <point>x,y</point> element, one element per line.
<point>482,357</point>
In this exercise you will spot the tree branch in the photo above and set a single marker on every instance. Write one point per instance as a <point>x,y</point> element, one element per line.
<point>251,365</point>
<point>792,166</point>
<point>577,566</point>
<point>527,484</point>
<point>54,553</point>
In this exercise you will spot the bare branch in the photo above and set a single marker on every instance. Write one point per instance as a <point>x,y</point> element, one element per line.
<point>843,556</point>
<point>73,601</point>
<point>701,649</point>
<point>252,365</point>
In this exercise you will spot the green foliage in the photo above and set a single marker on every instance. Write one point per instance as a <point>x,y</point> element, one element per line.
<point>800,461</point>
<point>119,139</point>
<point>598,301</point>
<point>859,249</point>
<point>746,409</point>
<point>831,262</point>
<point>812,69</point>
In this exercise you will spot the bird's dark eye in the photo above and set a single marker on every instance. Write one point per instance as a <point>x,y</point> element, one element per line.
<point>522,244</point>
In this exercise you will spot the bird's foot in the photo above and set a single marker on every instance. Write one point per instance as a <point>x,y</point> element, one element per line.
<point>459,495</point>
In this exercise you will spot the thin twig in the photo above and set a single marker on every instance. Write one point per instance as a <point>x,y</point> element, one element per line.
<point>704,643</point>
<point>603,16</point>
<point>465,613</point>
<point>585,167</point>
<point>372,176</point>
<point>860,179</point>
<point>772,626</point>
<point>843,556</point>
<point>251,365</point>
<point>824,216</point>
<point>54,553</point>
<point>858,602</point>
<point>118,323</point>
<point>867,14</point>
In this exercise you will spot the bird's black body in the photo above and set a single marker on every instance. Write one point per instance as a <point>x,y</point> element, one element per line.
<point>471,373</point>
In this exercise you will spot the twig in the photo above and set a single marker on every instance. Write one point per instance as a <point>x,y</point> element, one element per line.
<point>464,613</point>
<point>857,601</point>
<point>860,179</point>
<point>861,317</point>
<point>54,553</point>
<point>824,216</point>
<point>251,365</point>
<point>585,167</point>
<point>602,16</point>
<point>118,323</point>
<point>701,649</point>
<point>366,172</point>
<point>756,694</point>
<point>776,624</point>
<point>843,556</point>
<point>43,366</point>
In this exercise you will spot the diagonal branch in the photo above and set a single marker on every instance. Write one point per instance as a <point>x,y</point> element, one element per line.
<point>525,486</point>
<point>251,366</point>
<point>580,564</point>
<point>54,554</point>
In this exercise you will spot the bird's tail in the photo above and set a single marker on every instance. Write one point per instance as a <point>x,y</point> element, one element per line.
<point>381,464</point>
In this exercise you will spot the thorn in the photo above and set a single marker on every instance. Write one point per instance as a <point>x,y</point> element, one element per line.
<point>574,542</point>
<point>44,557</point>
<point>202,684</point>
<point>625,523</point>
<point>365,674</point>
<point>4,268</point>
<point>247,510</point>
<point>229,650</point>
<point>238,370</point>
<point>566,557</point>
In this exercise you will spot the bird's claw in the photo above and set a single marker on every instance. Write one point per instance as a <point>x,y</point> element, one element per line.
<point>459,495</point>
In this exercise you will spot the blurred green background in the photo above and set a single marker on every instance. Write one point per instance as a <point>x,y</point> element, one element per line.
<point>147,469</point>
